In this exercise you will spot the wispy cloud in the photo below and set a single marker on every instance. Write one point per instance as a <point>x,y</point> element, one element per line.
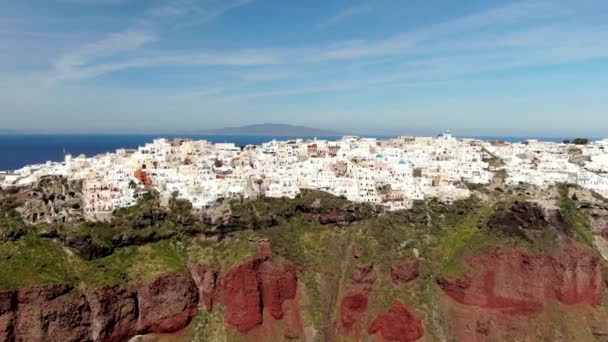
<point>96,2</point>
<point>168,11</point>
<point>517,35</point>
<point>266,74</point>
<point>347,14</point>
<point>198,12</point>
<point>407,42</point>
<point>76,64</point>
<point>83,62</point>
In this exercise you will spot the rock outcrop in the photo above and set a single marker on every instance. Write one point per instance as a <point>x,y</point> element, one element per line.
<point>406,271</point>
<point>516,281</point>
<point>206,281</point>
<point>111,313</point>
<point>256,286</point>
<point>52,199</point>
<point>167,303</point>
<point>398,324</point>
<point>363,274</point>
<point>353,308</point>
<point>115,309</point>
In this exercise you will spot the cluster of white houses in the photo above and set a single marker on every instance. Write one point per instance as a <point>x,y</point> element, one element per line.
<point>392,172</point>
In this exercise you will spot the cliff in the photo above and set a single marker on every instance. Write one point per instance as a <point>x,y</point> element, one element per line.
<point>522,266</point>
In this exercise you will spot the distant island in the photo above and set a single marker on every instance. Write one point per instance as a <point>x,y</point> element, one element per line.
<point>269,129</point>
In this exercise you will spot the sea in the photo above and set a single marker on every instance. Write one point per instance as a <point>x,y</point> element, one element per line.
<point>17,151</point>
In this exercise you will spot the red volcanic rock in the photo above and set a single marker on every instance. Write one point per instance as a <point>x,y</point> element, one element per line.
<point>240,294</point>
<point>115,311</point>
<point>8,303</point>
<point>248,289</point>
<point>516,281</point>
<point>270,280</point>
<point>406,271</point>
<point>362,274</point>
<point>398,324</point>
<point>335,216</point>
<point>352,310</point>
<point>52,313</point>
<point>167,304</point>
<point>206,281</point>
<point>111,313</point>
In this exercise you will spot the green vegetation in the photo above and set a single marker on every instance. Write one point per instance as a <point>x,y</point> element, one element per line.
<point>140,263</point>
<point>464,235</point>
<point>322,252</point>
<point>32,260</point>
<point>501,174</point>
<point>576,217</point>
<point>493,160</point>
<point>229,252</point>
<point>12,226</point>
<point>266,212</point>
<point>143,223</point>
<point>580,141</point>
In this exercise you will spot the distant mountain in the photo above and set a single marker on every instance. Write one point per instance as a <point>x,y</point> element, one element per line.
<point>269,129</point>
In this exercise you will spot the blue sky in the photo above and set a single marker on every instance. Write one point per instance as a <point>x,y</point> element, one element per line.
<point>479,67</point>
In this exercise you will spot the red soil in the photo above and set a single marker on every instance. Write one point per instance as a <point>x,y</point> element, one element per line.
<point>398,324</point>
<point>406,271</point>
<point>352,310</point>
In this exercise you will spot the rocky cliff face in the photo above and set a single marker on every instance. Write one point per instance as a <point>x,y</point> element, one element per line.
<point>516,281</point>
<point>506,271</point>
<point>261,299</point>
<point>253,295</point>
<point>112,313</point>
<point>52,200</point>
<point>515,285</point>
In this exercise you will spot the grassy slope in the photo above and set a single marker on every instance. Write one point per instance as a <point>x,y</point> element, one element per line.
<point>33,261</point>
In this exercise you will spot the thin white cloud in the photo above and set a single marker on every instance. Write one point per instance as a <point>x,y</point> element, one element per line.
<point>168,11</point>
<point>424,53</point>
<point>331,87</point>
<point>407,42</point>
<point>96,2</point>
<point>267,74</point>
<point>199,93</point>
<point>77,63</point>
<point>347,14</point>
<point>201,12</point>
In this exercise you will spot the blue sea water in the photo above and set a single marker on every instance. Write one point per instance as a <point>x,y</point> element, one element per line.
<point>17,151</point>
